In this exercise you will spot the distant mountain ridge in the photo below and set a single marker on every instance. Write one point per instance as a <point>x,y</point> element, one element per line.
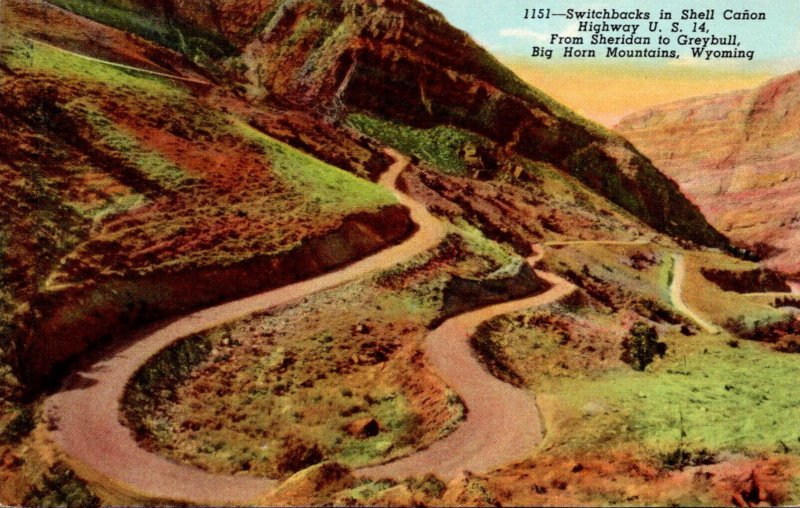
<point>737,156</point>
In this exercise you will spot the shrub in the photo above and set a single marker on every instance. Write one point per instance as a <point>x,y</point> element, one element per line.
<point>62,488</point>
<point>752,281</point>
<point>789,344</point>
<point>786,302</point>
<point>680,458</point>
<point>641,346</point>
<point>19,427</point>
<point>298,455</point>
<point>770,332</point>
<point>430,485</point>
<point>575,301</point>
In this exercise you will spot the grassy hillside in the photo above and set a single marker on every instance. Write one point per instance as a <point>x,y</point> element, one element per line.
<point>154,22</point>
<point>441,146</point>
<point>113,174</point>
<point>714,401</point>
<point>321,193</point>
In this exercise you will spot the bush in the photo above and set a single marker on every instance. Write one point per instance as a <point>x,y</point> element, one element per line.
<point>789,345</point>
<point>19,427</point>
<point>752,281</point>
<point>430,485</point>
<point>62,488</point>
<point>575,301</point>
<point>641,346</point>
<point>298,455</point>
<point>786,302</point>
<point>770,332</point>
<point>680,458</point>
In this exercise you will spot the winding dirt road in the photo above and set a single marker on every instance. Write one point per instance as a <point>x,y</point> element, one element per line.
<point>503,422</point>
<point>678,277</point>
<point>676,295</point>
<point>86,411</point>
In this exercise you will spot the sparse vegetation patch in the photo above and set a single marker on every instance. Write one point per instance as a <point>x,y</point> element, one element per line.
<point>61,488</point>
<point>315,381</point>
<point>444,147</point>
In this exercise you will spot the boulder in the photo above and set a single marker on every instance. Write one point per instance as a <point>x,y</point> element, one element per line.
<point>363,428</point>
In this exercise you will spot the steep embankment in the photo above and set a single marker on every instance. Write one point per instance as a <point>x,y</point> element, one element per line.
<point>733,153</point>
<point>402,61</point>
<point>130,196</point>
<point>75,317</point>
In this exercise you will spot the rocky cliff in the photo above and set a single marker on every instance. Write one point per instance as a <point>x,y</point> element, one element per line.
<point>401,60</point>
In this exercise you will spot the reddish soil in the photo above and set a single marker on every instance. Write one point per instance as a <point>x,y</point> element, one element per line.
<point>620,477</point>
<point>227,208</point>
<point>86,411</point>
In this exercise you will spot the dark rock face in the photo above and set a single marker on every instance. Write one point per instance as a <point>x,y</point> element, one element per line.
<point>462,295</point>
<point>364,428</point>
<point>752,281</point>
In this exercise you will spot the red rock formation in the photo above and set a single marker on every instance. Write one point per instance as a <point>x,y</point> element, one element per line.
<point>736,156</point>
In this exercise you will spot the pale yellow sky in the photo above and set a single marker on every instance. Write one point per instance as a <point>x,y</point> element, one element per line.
<point>606,93</point>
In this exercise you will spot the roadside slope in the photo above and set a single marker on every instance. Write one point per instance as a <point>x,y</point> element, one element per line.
<point>86,410</point>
